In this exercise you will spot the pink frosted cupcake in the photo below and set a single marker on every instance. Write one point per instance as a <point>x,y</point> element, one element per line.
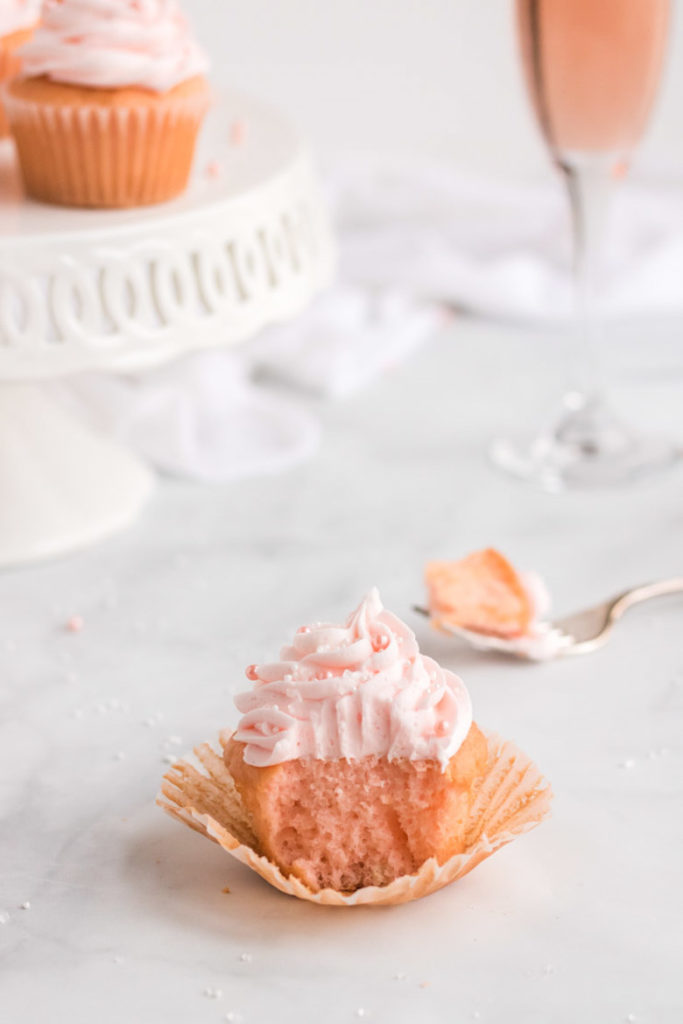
<point>110,101</point>
<point>356,773</point>
<point>18,19</point>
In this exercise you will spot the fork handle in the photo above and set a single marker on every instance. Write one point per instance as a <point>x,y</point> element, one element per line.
<point>644,593</point>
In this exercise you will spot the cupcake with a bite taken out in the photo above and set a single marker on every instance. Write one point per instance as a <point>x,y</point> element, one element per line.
<point>18,19</point>
<point>356,773</point>
<point>110,101</point>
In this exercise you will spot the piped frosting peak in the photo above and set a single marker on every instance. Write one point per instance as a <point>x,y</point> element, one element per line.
<point>352,691</point>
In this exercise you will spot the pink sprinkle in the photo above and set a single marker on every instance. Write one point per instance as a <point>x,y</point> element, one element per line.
<point>213,169</point>
<point>252,672</point>
<point>75,624</point>
<point>238,131</point>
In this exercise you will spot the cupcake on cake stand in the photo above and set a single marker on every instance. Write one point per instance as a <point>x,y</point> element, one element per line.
<point>248,245</point>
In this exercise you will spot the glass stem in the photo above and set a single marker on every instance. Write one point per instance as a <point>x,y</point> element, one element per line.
<point>590,184</point>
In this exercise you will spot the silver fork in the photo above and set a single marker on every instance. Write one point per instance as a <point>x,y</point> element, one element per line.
<point>580,633</point>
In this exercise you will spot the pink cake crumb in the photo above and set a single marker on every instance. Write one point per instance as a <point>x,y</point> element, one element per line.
<point>238,132</point>
<point>75,624</point>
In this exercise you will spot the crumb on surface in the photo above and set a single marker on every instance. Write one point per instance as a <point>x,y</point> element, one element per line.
<point>238,132</point>
<point>75,624</point>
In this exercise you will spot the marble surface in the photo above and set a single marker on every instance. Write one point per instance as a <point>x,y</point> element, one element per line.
<point>111,911</point>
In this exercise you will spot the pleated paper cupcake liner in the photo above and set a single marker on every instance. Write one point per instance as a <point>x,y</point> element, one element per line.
<point>512,797</point>
<point>106,156</point>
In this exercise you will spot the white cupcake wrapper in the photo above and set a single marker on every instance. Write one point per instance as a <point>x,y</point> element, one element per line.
<point>512,798</point>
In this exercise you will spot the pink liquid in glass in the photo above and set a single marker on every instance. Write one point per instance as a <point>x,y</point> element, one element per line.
<point>592,68</point>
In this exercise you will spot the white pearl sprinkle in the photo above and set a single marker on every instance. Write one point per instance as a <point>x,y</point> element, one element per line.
<point>4,917</point>
<point>628,763</point>
<point>25,906</point>
<point>213,993</point>
<point>118,960</point>
<point>246,958</point>
<point>153,719</point>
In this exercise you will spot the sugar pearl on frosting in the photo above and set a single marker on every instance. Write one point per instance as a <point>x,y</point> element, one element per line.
<point>251,672</point>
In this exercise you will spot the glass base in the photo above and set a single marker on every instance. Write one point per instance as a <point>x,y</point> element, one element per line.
<point>587,448</point>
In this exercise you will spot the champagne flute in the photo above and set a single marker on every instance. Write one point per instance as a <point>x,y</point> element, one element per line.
<point>592,69</point>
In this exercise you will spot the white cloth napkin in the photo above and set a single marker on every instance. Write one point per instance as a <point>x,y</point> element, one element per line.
<point>414,239</point>
<point>502,250</point>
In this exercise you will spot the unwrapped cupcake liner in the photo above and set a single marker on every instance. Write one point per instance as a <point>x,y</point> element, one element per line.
<point>106,156</point>
<point>511,798</point>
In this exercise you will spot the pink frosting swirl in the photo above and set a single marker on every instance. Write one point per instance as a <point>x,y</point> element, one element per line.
<point>112,44</point>
<point>16,15</point>
<point>353,691</point>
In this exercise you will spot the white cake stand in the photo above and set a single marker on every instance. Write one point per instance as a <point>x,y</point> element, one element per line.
<point>248,245</point>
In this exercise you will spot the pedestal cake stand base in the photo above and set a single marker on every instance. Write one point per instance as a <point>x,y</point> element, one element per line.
<point>61,486</point>
<point>247,246</point>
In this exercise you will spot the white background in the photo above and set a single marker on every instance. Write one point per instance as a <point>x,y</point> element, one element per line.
<point>424,77</point>
<point>109,912</point>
